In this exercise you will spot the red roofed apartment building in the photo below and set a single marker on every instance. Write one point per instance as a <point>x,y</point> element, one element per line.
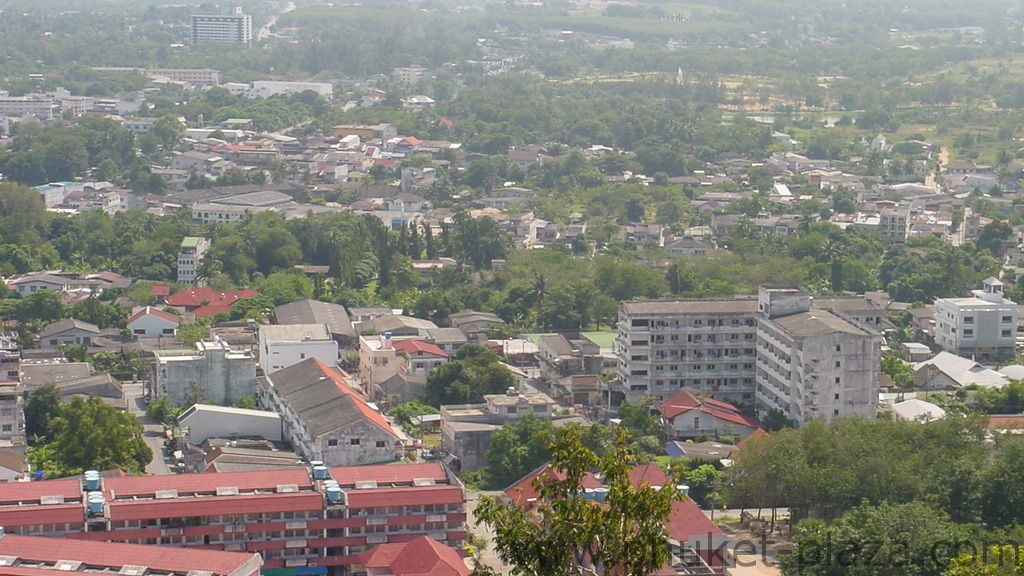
<point>686,415</point>
<point>32,556</point>
<point>690,533</point>
<point>293,517</point>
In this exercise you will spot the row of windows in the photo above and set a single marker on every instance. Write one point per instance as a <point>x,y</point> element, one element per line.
<point>356,442</point>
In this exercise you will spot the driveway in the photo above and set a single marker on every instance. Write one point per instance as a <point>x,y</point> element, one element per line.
<point>153,433</point>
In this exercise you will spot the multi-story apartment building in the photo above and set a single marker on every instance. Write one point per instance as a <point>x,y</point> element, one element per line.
<point>983,326</point>
<point>284,345</point>
<point>197,76</point>
<point>12,412</point>
<point>293,517</point>
<point>703,345</point>
<point>813,363</point>
<point>10,357</point>
<point>190,256</point>
<point>235,28</point>
<point>741,350</point>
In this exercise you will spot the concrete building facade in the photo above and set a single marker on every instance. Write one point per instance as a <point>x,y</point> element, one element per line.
<point>235,28</point>
<point>285,345</point>
<point>213,373</point>
<point>190,256</point>
<point>983,326</point>
<point>778,351</point>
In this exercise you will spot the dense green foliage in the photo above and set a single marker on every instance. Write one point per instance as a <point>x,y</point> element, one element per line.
<point>474,372</point>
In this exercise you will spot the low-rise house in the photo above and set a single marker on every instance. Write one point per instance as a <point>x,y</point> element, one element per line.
<point>710,450</point>
<point>420,357</point>
<point>67,332</point>
<point>152,322</point>
<point>326,419</point>
<point>421,556</point>
<point>475,323</point>
<point>14,466</point>
<point>205,301</point>
<point>686,415</point>
<point>917,410</point>
<point>449,340</point>
<point>689,246</point>
<point>947,371</point>
<point>397,325</point>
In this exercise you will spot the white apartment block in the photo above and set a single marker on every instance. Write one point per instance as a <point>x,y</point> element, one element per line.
<point>190,257</point>
<point>285,345</point>
<point>983,327</point>
<point>704,345</point>
<point>812,363</point>
<point>773,351</point>
<point>233,28</point>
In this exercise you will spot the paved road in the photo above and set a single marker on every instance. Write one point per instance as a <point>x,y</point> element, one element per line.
<point>153,433</point>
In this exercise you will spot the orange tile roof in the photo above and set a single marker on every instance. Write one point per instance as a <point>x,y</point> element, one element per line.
<point>421,556</point>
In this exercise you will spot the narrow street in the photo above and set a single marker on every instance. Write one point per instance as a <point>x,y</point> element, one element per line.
<point>153,433</point>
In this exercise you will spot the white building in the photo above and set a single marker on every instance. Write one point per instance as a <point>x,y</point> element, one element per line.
<point>209,421</point>
<point>190,257</point>
<point>268,88</point>
<point>983,326</point>
<point>777,352</point>
<point>233,28</point>
<point>152,322</point>
<point>282,346</point>
<point>813,364</point>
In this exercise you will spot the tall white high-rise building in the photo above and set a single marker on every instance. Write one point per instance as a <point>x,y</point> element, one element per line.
<point>234,28</point>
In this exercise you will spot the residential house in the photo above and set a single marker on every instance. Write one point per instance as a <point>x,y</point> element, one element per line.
<point>689,246</point>
<point>283,345</point>
<point>34,282</point>
<point>204,302</point>
<point>474,324</point>
<point>687,415</point>
<point>449,340</point>
<point>326,419</point>
<point>947,371</point>
<point>421,556</point>
<point>152,322</point>
<point>14,466</point>
<point>67,332</point>
<point>331,315</point>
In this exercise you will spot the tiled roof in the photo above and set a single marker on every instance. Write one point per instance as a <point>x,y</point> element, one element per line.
<point>129,486</point>
<point>389,474</point>
<point>68,324</point>
<point>323,399</point>
<point>315,312</point>
<point>419,347</point>
<point>208,299</point>
<point>683,402</point>
<point>155,312</point>
<point>375,497</point>
<point>214,505</point>
<point>117,555</point>
<point>421,556</point>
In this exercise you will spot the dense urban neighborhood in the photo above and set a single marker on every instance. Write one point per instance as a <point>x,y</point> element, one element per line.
<point>536,288</point>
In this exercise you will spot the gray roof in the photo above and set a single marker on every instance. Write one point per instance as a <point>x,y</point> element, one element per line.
<point>732,305</point>
<point>316,312</point>
<point>388,322</point>
<point>446,336</point>
<point>261,198</point>
<point>66,324</point>
<point>816,323</point>
<point>294,332</point>
<point>33,375</point>
<point>557,343</point>
<point>314,392</point>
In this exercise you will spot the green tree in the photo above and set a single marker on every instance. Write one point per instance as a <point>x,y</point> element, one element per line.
<point>91,434</point>
<point>474,372</point>
<point>42,405</point>
<point>405,412</point>
<point>567,534</point>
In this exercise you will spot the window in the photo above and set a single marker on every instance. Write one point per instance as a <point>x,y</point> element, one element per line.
<point>139,331</point>
<point>1006,333</point>
<point>837,396</point>
<point>7,428</point>
<point>838,348</point>
<point>302,355</point>
<point>1007,319</point>
<point>968,319</point>
<point>837,382</point>
<point>968,333</point>
<point>835,412</point>
<point>696,423</point>
<point>332,442</point>
<point>381,444</point>
<point>353,442</point>
<point>838,364</point>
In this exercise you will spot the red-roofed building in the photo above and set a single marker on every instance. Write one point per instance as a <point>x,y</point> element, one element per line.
<point>290,516</point>
<point>160,293</point>
<point>420,356</point>
<point>152,322</point>
<point>326,419</point>
<point>689,530</point>
<point>687,415</point>
<point>421,556</point>
<point>206,301</point>
<point>1006,424</point>
<point>34,555</point>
